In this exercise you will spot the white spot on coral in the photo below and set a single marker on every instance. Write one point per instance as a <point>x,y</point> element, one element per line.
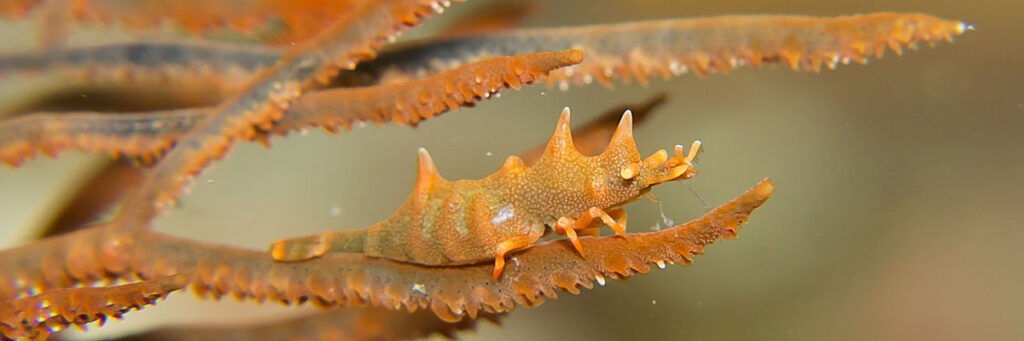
<point>600,280</point>
<point>419,288</point>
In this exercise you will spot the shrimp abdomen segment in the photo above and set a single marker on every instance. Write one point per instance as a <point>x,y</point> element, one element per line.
<point>451,223</point>
<point>455,228</point>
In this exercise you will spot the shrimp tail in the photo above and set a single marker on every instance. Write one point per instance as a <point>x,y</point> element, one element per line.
<point>309,247</point>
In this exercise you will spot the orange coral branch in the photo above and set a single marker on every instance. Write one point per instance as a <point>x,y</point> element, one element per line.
<point>451,292</point>
<point>641,50</point>
<point>349,323</point>
<point>39,315</point>
<point>58,262</point>
<point>18,8</point>
<point>301,19</point>
<point>678,46</point>
<point>352,38</point>
<point>141,135</point>
<point>415,100</point>
<point>147,135</point>
<point>342,279</point>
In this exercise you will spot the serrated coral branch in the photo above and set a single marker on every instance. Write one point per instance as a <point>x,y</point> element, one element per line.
<point>349,323</point>
<point>99,252</point>
<point>451,292</point>
<point>300,19</point>
<point>146,136</point>
<point>677,46</point>
<point>350,39</point>
<point>39,315</point>
<point>617,51</point>
<point>415,100</point>
<point>345,279</point>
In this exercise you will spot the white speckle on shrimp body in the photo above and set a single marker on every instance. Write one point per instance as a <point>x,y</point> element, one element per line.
<point>504,213</point>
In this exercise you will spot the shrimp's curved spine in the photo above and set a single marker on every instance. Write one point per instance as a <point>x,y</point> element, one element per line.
<point>470,221</point>
<point>593,137</point>
<point>147,135</point>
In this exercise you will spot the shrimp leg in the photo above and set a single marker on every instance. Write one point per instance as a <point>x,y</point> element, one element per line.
<point>569,226</point>
<point>512,244</point>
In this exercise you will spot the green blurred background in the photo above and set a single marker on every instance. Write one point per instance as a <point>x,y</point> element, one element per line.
<point>897,212</point>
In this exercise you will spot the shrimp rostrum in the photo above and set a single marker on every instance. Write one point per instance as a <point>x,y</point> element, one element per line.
<point>446,223</point>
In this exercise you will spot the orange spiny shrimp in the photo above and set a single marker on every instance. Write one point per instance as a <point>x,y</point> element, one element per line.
<point>471,221</point>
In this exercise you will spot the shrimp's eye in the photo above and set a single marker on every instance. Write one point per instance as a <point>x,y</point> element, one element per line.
<point>630,171</point>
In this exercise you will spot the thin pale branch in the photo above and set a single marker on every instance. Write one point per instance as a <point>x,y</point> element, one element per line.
<point>229,66</point>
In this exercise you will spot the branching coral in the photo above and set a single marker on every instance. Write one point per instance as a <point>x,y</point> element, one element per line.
<point>337,74</point>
